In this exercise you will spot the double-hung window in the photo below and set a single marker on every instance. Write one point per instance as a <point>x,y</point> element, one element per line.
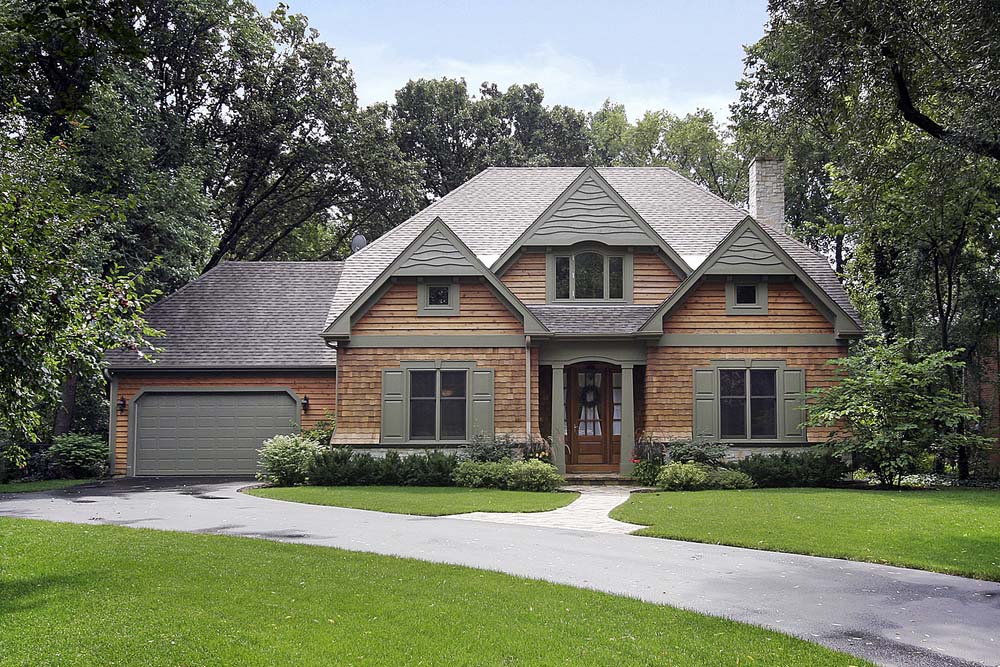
<point>748,403</point>
<point>437,404</point>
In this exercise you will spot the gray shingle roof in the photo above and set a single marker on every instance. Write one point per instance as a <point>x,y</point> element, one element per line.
<point>244,315</point>
<point>490,212</point>
<point>592,319</point>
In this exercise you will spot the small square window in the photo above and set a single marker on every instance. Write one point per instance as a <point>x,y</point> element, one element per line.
<point>746,295</point>
<point>438,295</point>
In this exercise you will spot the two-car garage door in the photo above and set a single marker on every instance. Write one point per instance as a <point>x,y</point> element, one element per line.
<point>207,432</point>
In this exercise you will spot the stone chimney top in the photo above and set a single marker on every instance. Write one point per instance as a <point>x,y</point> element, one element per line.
<point>767,191</point>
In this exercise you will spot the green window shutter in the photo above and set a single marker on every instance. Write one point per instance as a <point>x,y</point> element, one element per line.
<point>706,404</point>
<point>393,406</point>
<point>793,401</point>
<point>482,402</point>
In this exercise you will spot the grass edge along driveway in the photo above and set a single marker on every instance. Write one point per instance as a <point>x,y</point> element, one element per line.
<point>953,531</point>
<point>44,485</point>
<point>419,500</point>
<point>106,595</point>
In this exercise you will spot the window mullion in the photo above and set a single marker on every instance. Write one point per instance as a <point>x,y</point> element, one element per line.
<point>746,417</point>
<point>437,406</point>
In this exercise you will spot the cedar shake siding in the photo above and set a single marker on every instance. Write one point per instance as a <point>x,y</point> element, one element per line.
<point>480,312</point>
<point>704,312</point>
<point>360,409</point>
<point>320,387</point>
<point>526,277</point>
<point>653,281</point>
<point>669,386</point>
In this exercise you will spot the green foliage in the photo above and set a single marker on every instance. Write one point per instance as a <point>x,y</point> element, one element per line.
<point>724,478</point>
<point>482,474</point>
<point>645,472</point>
<point>286,459</point>
<point>696,451</point>
<point>322,431</point>
<point>810,468</point>
<point>683,477</point>
<point>649,449</point>
<point>893,405</point>
<point>77,456</point>
<point>490,447</point>
<point>530,475</point>
<point>533,475</point>
<point>59,312</point>
<point>342,466</point>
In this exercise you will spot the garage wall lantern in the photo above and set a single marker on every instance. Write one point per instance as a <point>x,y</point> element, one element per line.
<point>122,405</point>
<point>305,403</point>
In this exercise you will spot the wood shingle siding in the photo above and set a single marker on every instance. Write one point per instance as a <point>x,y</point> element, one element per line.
<point>669,386</point>
<point>321,388</point>
<point>704,312</point>
<point>360,369</point>
<point>653,281</point>
<point>395,313</point>
<point>526,277</point>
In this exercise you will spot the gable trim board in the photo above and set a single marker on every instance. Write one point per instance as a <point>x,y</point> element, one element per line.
<point>590,199</point>
<point>437,251</point>
<point>762,254</point>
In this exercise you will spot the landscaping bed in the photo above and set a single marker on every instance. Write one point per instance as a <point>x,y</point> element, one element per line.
<point>106,595</point>
<point>949,530</point>
<point>421,500</point>
<point>42,485</point>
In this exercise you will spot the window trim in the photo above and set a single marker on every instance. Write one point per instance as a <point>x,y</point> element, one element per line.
<point>438,366</point>
<point>779,366</point>
<point>607,253</point>
<point>425,309</point>
<point>758,308</point>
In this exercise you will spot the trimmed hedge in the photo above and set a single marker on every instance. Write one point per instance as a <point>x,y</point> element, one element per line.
<point>530,475</point>
<point>341,466</point>
<point>819,467</point>
<point>699,477</point>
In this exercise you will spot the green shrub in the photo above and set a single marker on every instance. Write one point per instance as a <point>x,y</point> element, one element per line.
<point>697,451</point>
<point>322,431</point>
<point>683,477</point>
<point>482,474</point>
<point>534,475</point>
<point>724,478</point>
<point>75,455</point>
<point>490,447</point>
<point>649,450</point>
<point>645,472</point>
<point>286,460</point>
<point>810,468</point>
<point>343,467</point>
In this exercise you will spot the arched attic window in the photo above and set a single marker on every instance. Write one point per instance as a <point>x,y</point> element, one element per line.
<point>590,274</point>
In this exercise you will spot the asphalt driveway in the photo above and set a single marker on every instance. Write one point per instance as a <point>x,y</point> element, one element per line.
<point>890,615</point>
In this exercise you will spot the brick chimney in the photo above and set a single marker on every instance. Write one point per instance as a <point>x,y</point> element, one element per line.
<point>767,191</point>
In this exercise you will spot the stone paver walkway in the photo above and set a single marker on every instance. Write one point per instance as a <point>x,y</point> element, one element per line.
<point>588,512</point>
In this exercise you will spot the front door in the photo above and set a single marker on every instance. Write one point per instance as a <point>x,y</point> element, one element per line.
<point>593,423</point>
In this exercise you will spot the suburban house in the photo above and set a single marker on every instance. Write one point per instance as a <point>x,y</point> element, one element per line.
<point>588,306</point>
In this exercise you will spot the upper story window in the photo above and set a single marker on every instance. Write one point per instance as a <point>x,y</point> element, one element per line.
<point>588,275</point>
<point>746,296</point>
<point>437,298</point>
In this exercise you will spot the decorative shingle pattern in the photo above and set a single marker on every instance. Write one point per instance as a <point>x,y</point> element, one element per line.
<point>492,210</point>
<point>244,315</point>
<point>592,319</point>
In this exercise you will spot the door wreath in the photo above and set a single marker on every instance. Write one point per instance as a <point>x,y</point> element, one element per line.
<point>590,396</point>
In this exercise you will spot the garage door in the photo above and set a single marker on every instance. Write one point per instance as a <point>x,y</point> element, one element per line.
<point>207,433</point>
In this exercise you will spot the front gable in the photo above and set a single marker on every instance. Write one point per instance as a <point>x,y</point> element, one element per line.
<point>589,209</point>
<point>436,253</point>
<point>749,250</point>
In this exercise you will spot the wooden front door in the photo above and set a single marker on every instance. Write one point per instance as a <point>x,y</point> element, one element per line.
<point>593,420</point>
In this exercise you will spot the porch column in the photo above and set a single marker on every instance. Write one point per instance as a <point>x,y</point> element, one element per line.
<point>558,419</point>
<point>628,421</point>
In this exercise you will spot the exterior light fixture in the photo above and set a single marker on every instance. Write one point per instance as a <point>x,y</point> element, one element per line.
<point>305,403</point>
<point>122,405</point>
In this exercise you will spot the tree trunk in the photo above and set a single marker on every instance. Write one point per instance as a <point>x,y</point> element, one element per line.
<point>67,405</point>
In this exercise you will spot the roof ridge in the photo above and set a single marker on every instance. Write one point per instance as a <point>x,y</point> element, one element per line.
<point>427,208</point>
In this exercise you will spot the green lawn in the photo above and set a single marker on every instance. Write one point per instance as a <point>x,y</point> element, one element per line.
<point>423,500</point>
<point>952,531</point>
<point>46,485</point>
<point>105,595</point>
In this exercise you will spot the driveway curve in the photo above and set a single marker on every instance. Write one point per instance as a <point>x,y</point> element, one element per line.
<point>889,615</point>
